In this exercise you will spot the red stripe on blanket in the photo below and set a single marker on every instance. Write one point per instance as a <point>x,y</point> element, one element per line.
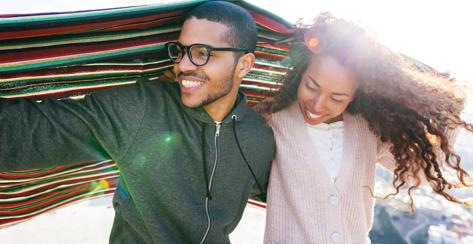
<point>70,193</point>
<point>52,185</point>
<point>270,23</point>
<point>43,53</point>
<point>89,27</point>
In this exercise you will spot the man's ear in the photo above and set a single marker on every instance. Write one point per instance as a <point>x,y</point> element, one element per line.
<point>245,63</point>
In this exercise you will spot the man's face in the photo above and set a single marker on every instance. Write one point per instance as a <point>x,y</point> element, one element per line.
<point>212,84</point>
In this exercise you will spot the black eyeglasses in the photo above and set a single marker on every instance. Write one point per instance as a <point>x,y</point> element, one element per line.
<point>199,54</point>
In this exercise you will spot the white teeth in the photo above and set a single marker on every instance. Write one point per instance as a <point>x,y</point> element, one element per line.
<point>190,83</point>
<point>313,116</point>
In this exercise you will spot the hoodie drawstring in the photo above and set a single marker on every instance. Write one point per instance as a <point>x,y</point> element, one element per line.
<point>206,174</point>
<point>234,117</point>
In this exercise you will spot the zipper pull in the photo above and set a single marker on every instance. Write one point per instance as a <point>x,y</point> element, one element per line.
<point>217,128</point>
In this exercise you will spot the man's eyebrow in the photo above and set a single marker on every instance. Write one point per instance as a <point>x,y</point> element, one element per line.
<point>333,93</point>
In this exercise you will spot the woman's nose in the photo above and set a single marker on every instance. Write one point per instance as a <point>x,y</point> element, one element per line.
<point>318,103</point>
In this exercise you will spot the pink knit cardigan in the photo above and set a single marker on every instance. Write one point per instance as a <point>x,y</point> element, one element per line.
<point>303,205</point>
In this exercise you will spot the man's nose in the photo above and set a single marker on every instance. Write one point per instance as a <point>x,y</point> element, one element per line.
<point>185,64</point>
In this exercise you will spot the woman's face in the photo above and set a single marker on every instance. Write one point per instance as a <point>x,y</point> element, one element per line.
<point>325,90</point>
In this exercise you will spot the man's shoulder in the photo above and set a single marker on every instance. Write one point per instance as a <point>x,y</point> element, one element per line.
<point>153,89</point>
<point>143,91</point>
<point>255,118</point>
<point>257,124</point>
<point>156,85</point>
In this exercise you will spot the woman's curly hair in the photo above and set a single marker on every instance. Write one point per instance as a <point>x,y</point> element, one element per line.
<point>406,103</point>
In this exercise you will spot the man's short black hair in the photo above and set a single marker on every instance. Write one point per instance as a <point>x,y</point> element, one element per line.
<point>242,27</point>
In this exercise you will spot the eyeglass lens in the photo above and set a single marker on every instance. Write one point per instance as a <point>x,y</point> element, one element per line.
<point>199,54</point>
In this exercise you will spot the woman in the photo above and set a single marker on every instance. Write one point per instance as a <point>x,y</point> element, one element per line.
<point>348,103</point>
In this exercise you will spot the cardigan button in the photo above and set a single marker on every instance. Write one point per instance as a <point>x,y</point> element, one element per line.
<point>335,236</point>
<point>333,199</point>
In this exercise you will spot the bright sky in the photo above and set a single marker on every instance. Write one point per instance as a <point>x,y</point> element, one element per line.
<point>438,33</point>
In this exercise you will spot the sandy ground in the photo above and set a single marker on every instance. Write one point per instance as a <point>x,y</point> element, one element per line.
<point>90,222</point>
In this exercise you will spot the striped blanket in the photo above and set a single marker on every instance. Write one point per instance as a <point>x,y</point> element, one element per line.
<point>58,55</point>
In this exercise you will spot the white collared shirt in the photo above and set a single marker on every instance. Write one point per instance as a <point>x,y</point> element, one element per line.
<point>328,141</point>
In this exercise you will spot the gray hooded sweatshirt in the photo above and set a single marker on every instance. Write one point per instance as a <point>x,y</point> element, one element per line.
<point>183,177</point>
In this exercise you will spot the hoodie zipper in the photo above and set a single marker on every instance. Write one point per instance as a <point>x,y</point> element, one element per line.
<point>209,222</point>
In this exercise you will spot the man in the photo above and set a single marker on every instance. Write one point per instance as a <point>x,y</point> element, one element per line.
<point>189,153</point>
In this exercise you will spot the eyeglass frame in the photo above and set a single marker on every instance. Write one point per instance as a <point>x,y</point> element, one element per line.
<point>209,48</point>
